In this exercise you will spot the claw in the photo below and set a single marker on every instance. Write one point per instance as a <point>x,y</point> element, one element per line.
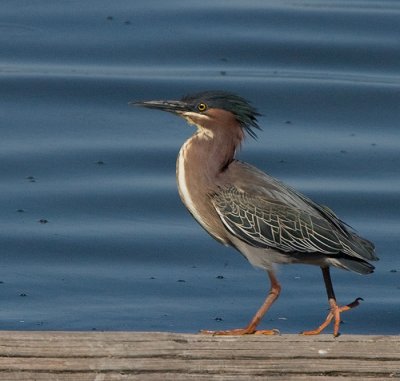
<point>334,313</point>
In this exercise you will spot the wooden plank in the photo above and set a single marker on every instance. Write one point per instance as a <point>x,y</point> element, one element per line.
<point>171,356</point>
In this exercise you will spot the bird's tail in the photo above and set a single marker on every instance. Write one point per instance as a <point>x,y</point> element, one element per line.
<point>353,264</point>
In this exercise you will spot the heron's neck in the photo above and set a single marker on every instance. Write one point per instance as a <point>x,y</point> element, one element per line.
<point>209,154</point>
<point>201,160</point>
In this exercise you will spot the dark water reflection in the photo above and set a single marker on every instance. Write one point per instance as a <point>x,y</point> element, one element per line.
<point>118,250</point>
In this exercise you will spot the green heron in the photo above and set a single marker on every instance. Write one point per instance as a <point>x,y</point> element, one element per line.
<point>240,206</point>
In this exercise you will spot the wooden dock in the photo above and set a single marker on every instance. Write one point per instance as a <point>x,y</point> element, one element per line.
<point>103,356</point>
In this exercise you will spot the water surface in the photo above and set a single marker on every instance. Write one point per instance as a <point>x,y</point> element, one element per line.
<point>115,248</point>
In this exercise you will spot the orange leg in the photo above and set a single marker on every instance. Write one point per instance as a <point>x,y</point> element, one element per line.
<point>252,326</point>
<point>335,310</point>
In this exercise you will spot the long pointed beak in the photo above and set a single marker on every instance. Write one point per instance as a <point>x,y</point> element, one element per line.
<point>175,107</point>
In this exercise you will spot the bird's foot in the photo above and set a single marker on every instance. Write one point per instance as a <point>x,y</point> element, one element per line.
<point>334,313</point>
<point>241,331</point>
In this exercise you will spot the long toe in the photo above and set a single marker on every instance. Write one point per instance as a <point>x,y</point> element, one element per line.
<point>334,314</point>
<point>240,332</point>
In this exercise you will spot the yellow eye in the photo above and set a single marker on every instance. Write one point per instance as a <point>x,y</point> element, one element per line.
<point>202,107</point>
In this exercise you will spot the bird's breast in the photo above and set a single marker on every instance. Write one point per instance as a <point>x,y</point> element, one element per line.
<point>194,191</point>
<point>183,184</point>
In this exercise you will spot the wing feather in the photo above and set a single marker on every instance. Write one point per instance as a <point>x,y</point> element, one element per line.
<point>273,224</point>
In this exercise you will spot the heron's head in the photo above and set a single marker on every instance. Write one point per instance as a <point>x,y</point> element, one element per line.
<point>211,110</point>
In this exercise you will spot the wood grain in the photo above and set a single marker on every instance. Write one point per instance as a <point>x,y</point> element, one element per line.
<point>103,356</point>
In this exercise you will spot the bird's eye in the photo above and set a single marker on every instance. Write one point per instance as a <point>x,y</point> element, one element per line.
<point>202,107</point>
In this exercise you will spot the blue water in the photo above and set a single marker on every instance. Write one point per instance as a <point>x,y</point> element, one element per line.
<point>115,248</point>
